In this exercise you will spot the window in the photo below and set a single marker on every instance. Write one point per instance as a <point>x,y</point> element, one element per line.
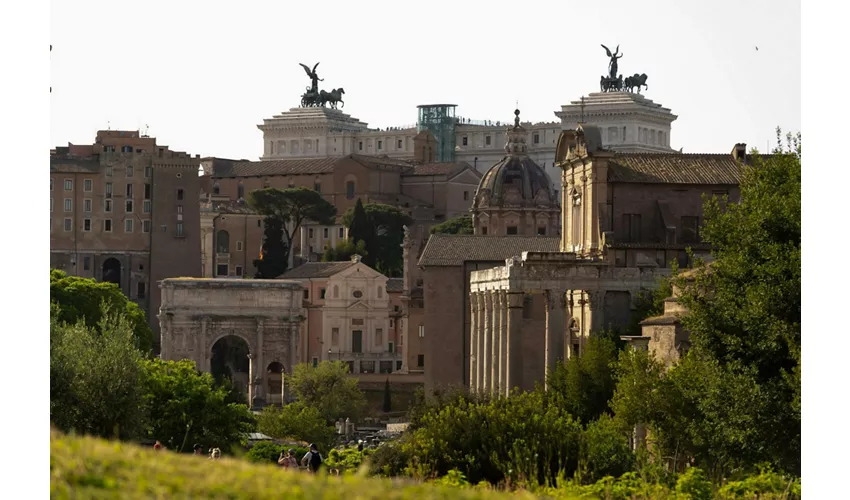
<point>398,365</point>
<point>465,195</point>
<point>147,191</point>
<point>536,139</point>
<point>541,231</point>
<point>421,331</point>
<point>86,225</point>
<point>385,366</point>
<point>109,171</point>
<point>631,227</point>
<point>222,242</point>
<point>306,294</point>
<point>390,347</point>
<point>360,146</point>
<point>107,225</point>
<point>129,190</point>
<point>146,226</point>
<point>357,321</point>
<point>511,230</point>
<point>87,185</point>
<point>420,361</point>
<point>484,230</point>
<point>68,205</point>
<point>129,171</point>
<point>240,191</point>
<point>315,362</point>
<point>221,270</point>
<point>487,140</point>
<point>108,190</point>
<point>179,229</point>
<point>398,144</point>
<point>349,190</point>
<point>379,336</point>
<point>325,233</point>
<point>334,336</point>
<point>69,184</point>
<point>67,224</point>
<point>238,246</point>
<point>179,209</point>
<point>341,233</point>
<point>51,183</point>
<point>146,206</point>
<point>86,263</point>
<point>87,205</point>
<point>690,229</point>
<point>380,292</point>
<point>179,195</point>
<point>380,144</point>
<point>392,323</point>
<point>322,293</point>
<point>107,205</point>
<point>317,187</point>
<point>140,290</point>
<point>148,172</point>
<point>357,294</point>
<point>367,367</point>
<point>128,225</point>
<point>128,206</point>
<point>336,291</point>
<point>465,140</point>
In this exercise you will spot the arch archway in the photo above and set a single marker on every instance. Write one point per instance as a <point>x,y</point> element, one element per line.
<point>112,271</point>
<point>274,384</point>
<point>229,363</point>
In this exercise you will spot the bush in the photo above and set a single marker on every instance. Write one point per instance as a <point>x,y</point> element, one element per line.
<point>766,485</point>
<point>296,421</point>
<point>264,451</point>
<point>693,485</point>
<point>605,450</point>
<point>388,459</point>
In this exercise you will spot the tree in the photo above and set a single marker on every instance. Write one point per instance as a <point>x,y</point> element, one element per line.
<point>329,389</point>
<point>274,254</point>
<point>297,421</point>
<point>381,228</point>
<point>585,384</point>
<point>388,401</point>
<point>95,378</point>
<point>288,208</point>
<point>186,406</point>
<point>87,300</point>
<point>459,225</point>
<point>344,250</point>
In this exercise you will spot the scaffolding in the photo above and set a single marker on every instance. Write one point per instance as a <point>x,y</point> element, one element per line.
<point>439,119</point>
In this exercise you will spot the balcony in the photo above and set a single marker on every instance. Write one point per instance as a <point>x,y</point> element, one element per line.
<point>222,257</point>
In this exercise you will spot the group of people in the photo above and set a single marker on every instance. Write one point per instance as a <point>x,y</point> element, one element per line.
<point>312,459</point>
<point>197,450</point>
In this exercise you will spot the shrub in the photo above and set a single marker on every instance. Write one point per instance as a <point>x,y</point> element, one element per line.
<point>694,485</point>
<point>264,451</point>
<point>296,421</point>
<point>388,459</point>
<point>605,450</point>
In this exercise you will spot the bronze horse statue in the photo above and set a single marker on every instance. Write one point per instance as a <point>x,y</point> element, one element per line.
<point>333,97</point>
<point>636,81</point>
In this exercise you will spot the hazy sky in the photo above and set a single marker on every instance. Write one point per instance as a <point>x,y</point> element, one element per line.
<point>203,74</point>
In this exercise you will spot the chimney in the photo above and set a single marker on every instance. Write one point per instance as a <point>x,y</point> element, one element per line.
<point>740,152</point>
<point>355,259</point>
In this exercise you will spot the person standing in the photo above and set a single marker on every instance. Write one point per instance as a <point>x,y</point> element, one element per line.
<point>197,449</point>
<point>287,459</point>
<point>312,459</point>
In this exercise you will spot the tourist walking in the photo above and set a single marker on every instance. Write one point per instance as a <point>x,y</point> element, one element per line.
<point>312,459</point>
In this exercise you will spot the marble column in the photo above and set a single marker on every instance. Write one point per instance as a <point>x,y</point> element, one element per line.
<point>473,339</point>
<point>251,387</point>
<point>554,300</point>
<point>494,342</point>
<point>503,342</point>
<point>203,353</point>
<point>514,341</point>
<point>485,359</point>
<point>261,366</point>
<point>479,365</point>
<point>596,303</point>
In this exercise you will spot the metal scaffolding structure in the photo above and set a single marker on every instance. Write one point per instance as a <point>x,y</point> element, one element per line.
<point>439,119</point>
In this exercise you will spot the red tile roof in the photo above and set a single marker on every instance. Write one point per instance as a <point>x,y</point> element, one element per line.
<point>455,249</point>
<point>674,168</point>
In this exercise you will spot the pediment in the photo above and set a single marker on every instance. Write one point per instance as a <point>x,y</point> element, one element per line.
<point>358,305</point>
<point>357,271</point>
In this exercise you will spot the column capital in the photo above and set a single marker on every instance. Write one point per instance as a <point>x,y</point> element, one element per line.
<point>596,299</point>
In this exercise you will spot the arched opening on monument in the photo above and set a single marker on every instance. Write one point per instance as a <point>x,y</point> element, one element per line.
<point>229,365</point>
<point>274,375</point>
<point>112,271</point>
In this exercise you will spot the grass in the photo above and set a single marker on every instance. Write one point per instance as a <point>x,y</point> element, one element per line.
<point>85,467</point>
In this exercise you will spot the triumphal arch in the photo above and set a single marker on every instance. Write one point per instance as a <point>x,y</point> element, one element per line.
<point>266,314</point>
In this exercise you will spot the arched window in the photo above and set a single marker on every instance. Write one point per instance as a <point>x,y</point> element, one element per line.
<point>271,147</point>
<point>576,218</point>
<point>336,292</point>
<point>380,292</point>
<point>349,190</point>
<point>240,190</point>
<point>222,242</point>
<point>216,188</point>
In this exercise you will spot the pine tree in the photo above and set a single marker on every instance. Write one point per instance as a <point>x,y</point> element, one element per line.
<point>273,259</point>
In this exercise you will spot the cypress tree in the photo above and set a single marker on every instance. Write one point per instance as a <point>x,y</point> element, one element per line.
<point>273,259</point>
<point>361,230</point>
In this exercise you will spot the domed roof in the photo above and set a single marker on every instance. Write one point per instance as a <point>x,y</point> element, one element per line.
<point>516,179</point>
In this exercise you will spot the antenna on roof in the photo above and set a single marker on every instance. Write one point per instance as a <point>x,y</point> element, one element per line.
<point>146,130</point>
<point>581,120</point>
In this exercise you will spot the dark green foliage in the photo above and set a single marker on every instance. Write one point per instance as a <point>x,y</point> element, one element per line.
<point>650,303</point>
<point>584,384</point>
<point>84,298</point>
<point>274,255</point>
<point>265,452</point>
<point>388,401</point>
<point>381,228</point>
<point>329,390</point>
<point>186,406</point>
<point>605,450</point>
<point>458,225</point>
<point>297,421</point>
<point>344,250</point>
<point>95,378</point>
<point>288,209</point>
<point>389,459</point>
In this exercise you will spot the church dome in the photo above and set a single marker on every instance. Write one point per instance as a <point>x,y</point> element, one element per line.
<point>516,179</point>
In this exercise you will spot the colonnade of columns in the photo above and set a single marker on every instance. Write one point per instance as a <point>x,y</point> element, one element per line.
<point>496,340</point>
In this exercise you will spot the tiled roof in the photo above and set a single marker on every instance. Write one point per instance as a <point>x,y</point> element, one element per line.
<point>442,168</point>
<point>317,270</point>
<point>71,165</point>
<point>275,167</point>
<point>674,168</point>
<point>381,161</point>
<point>395,285</point>
<point>455,249</point>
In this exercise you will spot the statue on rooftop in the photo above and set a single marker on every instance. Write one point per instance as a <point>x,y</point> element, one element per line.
<point>311,97</point>
<point>612,64</point>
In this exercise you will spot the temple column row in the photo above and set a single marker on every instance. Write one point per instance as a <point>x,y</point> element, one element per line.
<point>494,335</point>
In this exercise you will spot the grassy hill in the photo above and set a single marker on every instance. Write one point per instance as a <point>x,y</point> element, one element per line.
<point>83,467</point>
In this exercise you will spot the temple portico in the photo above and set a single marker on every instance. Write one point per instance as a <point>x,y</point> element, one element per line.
<point>579,296</point>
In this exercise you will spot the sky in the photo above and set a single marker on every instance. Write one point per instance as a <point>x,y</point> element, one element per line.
<point>201,75</point>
